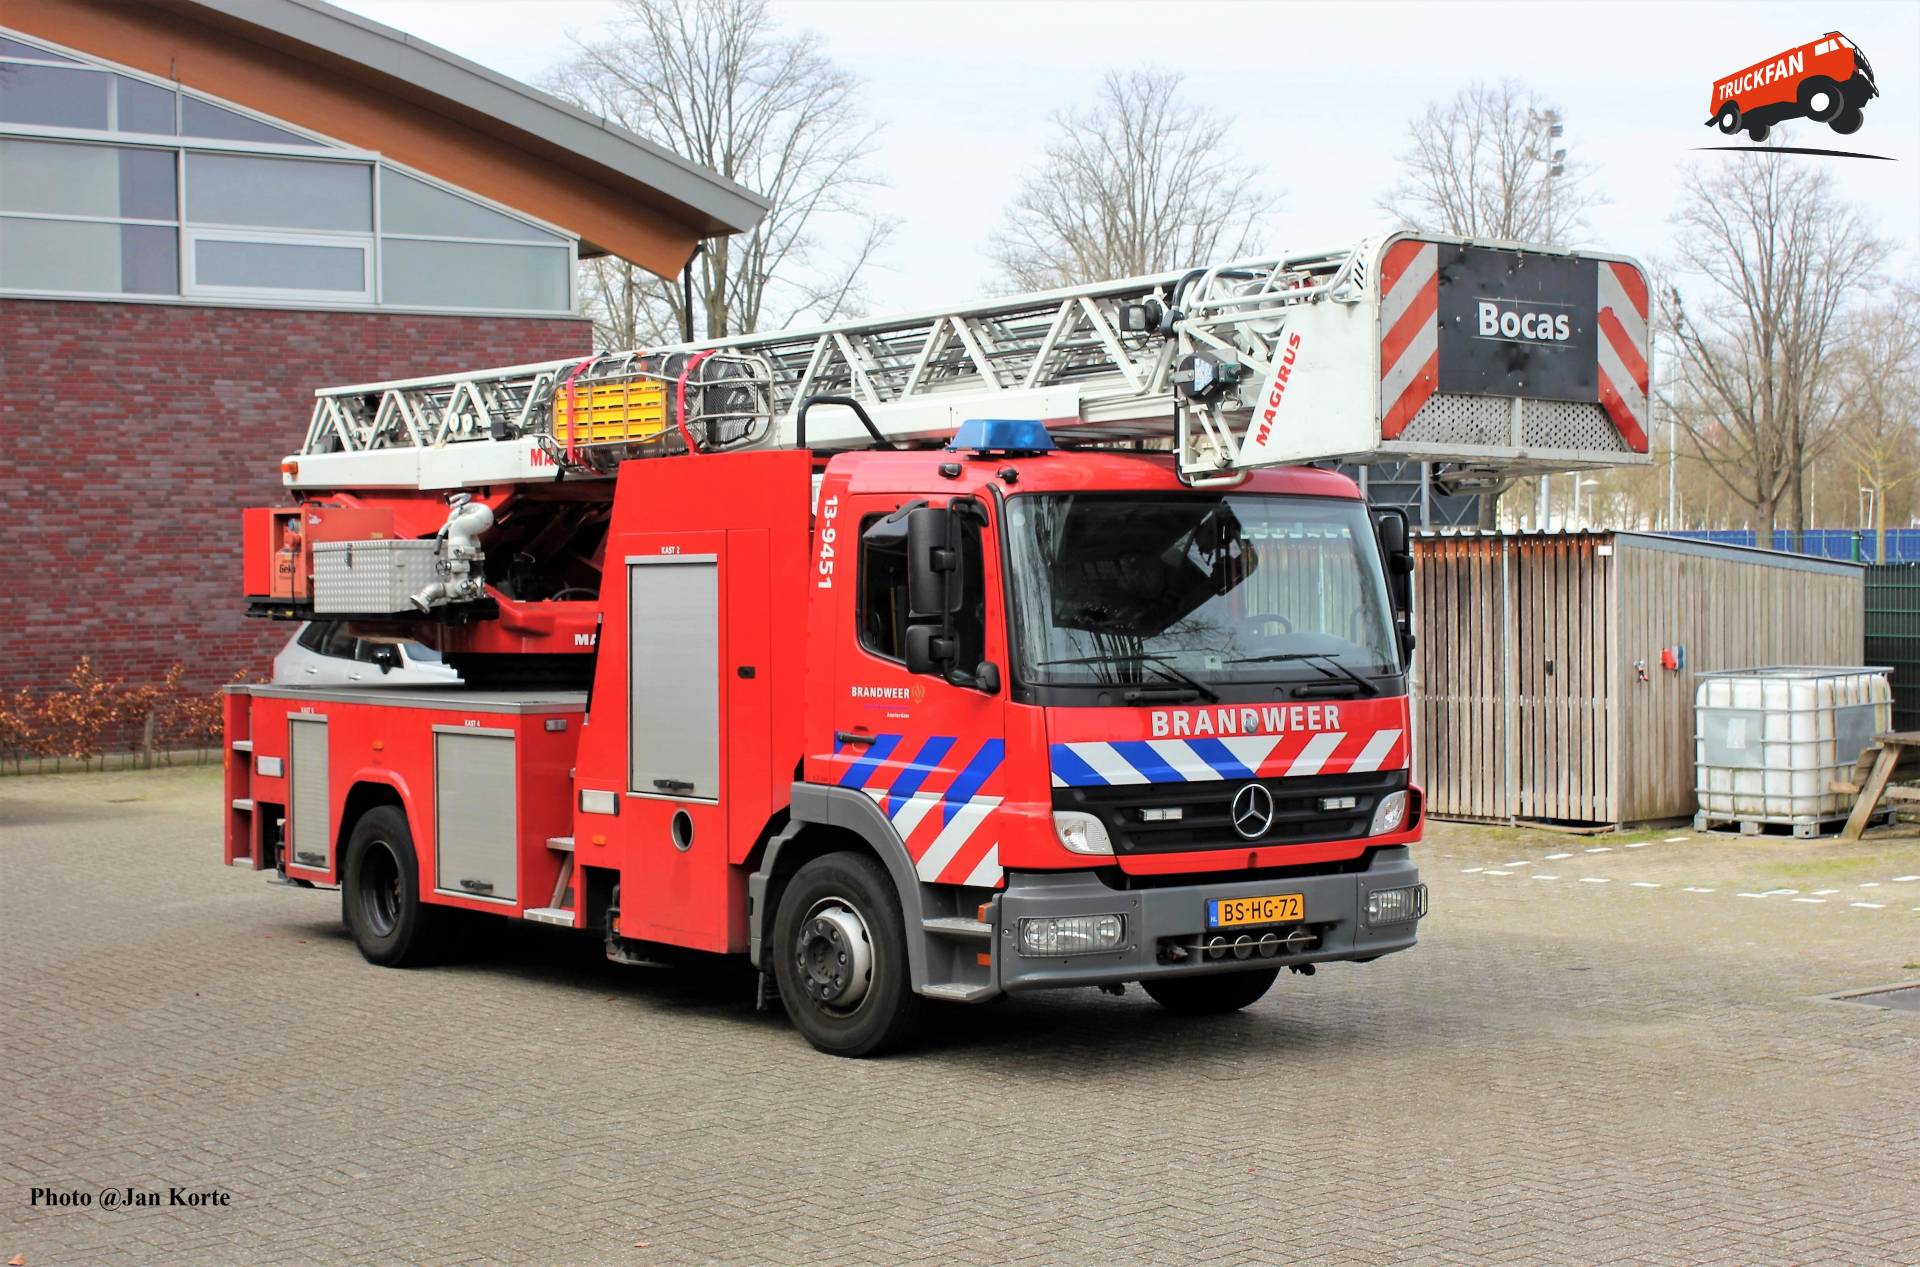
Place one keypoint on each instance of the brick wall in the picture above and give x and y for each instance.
(132, 434)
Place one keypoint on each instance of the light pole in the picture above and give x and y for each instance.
(1574, 520)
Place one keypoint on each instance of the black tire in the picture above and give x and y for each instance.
(381, 892)
(1847, 122)
(1213, 994)
(1757, 132)
(1820, 97)
(1728, 120)
(838, 910)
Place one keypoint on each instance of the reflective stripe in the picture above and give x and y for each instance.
(968, 782)
(1315, 754)
(924, 763)
(1375, 752)
(960, 826)
(1187, 762)
(857, 774)
(908, 813)
(1141, 756)
(1108, 765)
(987, 872)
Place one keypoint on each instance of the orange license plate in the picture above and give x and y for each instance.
(1272, 908)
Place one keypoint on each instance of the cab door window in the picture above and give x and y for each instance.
(881, 600)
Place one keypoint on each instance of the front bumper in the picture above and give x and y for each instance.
(1163, 921)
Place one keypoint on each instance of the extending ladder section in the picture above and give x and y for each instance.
(1332, 355)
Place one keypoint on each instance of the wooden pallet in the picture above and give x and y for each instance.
(1805, 829)
(1893, 756)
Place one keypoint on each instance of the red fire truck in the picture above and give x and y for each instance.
(898, 656)
(1827, 80)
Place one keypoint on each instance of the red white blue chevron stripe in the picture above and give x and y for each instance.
(1115, 762)
(941, 799)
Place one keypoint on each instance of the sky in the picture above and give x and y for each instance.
(1320, 95)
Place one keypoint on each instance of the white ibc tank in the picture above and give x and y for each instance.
(1769, 741)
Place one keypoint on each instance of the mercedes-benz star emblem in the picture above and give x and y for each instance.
(1252, 811)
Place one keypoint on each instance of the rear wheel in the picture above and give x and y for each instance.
(1212, 994)
(1847, 122)
(840, 956)
(381, 892)
(1758, 131)
(1728, 120)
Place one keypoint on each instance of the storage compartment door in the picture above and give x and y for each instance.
(673, 675)
(309, 820)
(476, 817)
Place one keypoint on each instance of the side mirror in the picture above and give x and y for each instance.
(933, 564)
(929, 650)
(1396, 548)
(387, 656)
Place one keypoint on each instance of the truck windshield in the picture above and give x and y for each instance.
(1151, 590)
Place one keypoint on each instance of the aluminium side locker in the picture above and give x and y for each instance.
(476, 812)
(309, 809)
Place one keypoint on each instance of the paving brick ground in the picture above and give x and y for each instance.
(1563, 1071)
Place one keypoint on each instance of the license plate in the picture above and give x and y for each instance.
(1271, 908)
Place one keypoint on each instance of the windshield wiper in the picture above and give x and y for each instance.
(1166, 667)
(1316, 657)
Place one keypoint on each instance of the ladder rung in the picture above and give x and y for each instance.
(551, 915)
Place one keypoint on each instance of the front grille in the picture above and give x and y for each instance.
(1206, 821)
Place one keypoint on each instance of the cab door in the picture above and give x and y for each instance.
(929, 753)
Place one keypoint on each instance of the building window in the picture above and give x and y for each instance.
(203, 118)
(263, 223)
(414, 208)
(279, 193)
(96, 218)
(227, 264)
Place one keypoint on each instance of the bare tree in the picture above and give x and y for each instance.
(1879, 372)
(1489, 164)
(716, 82)
(1772, 258)
(1138, 183)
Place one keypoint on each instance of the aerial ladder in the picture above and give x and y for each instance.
(1493, 359)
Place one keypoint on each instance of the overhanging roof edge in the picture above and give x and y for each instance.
(349, 36)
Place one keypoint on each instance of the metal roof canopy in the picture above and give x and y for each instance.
(720, 205)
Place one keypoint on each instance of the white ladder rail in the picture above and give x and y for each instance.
(1062, 338)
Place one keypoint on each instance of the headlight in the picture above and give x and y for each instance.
(1389, 814)
(1072, 934)
(1396, 906)
(1081, 833)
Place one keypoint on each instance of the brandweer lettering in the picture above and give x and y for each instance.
(1267, 720)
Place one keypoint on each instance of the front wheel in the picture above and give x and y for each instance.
(1847, 122)
(1820, 98)
(380, 890)
(1213, 994)
(840, 956)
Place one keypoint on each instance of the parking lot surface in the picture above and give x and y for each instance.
(1611, 1050)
